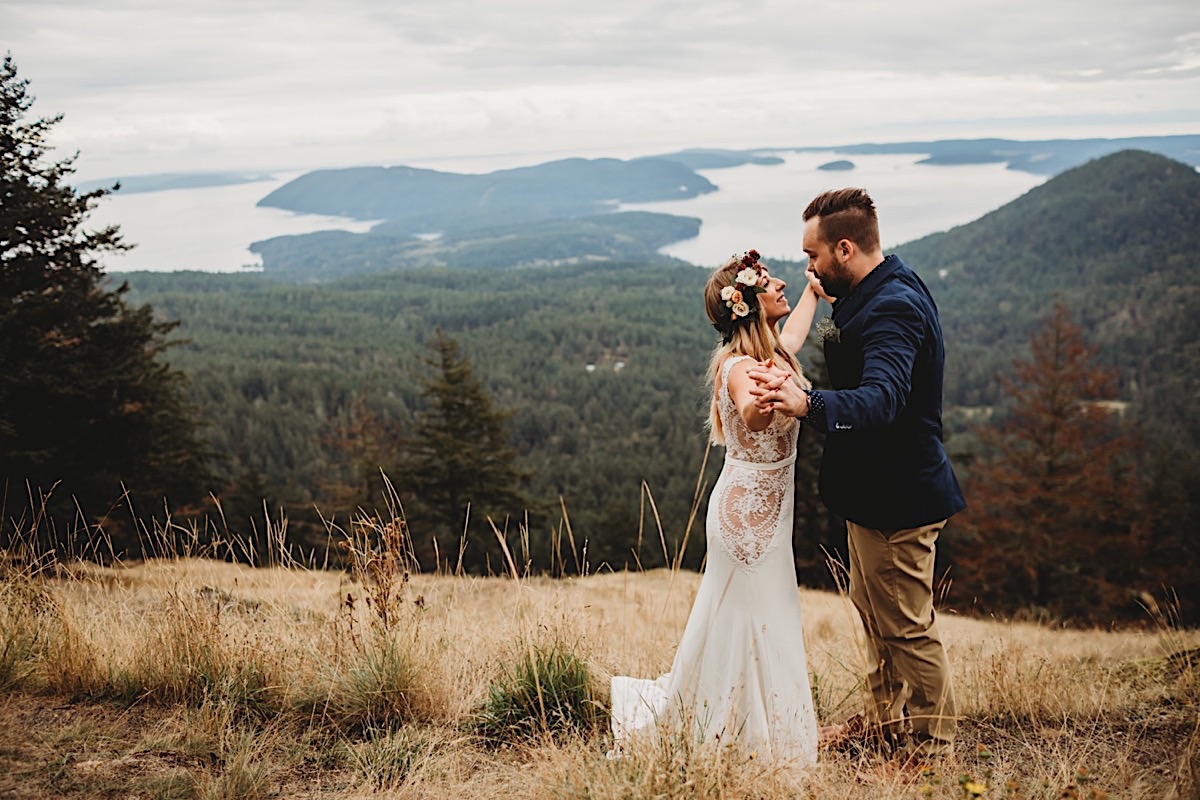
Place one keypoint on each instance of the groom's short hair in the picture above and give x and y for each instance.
(845, 214)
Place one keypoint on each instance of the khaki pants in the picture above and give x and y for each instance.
(891, 585)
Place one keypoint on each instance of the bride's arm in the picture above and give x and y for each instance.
(795, 330)
(740, 383)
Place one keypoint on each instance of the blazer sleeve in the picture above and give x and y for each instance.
(892, 336)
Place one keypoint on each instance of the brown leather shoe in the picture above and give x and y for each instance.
(854, 733)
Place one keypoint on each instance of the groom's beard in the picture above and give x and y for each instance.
(837, 281)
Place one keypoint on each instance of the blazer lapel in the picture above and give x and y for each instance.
(845, 309)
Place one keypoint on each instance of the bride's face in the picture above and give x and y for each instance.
(773, 302)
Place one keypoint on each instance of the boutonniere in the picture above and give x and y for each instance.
(828, 331)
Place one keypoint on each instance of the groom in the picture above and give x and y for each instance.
(884, 469)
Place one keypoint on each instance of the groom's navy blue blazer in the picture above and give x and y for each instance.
(884, 465)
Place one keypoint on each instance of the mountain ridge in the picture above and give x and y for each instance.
(1117, 240)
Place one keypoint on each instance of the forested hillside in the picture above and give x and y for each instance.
(1117, 241)
(280, 367)
(329, 255)
(602, 363)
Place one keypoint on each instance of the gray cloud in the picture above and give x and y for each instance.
(178, 84)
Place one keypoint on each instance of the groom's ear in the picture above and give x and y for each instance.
(845, 249)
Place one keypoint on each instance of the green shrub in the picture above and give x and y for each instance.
(544, 691)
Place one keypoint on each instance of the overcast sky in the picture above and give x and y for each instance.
(178, 85)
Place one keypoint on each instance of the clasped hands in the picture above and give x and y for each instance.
(775, 389)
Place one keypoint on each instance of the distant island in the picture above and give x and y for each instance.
(415, 201)
(619, 237)
(720, 159)
(560, 212)
(837, 166)
(1046, 157)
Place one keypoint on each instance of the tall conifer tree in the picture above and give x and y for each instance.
(458, 455)
(87, 409)
(1054, 512)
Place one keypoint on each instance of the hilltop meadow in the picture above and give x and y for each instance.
(183, 677)
(197, 601)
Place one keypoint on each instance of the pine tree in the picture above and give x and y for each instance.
(86, 406)
(1054, 521)
(365, 444)
(457, 456)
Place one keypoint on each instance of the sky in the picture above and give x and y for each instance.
(151, 86)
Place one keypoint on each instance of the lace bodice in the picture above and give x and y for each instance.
(775, 443)
(754, 495)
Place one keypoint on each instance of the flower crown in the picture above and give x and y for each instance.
(741, 296)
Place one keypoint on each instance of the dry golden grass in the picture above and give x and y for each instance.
(192, 678)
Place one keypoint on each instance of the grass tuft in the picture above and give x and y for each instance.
(246, 772)
(176, 784)
(387, 758)
(546, 691)
(192, 658)
(23, 633)
(383, 686)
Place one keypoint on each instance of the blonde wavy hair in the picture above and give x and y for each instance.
(752, 336)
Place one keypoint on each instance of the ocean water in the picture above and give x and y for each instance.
(758, 207)
(761, 207)
(208, 229)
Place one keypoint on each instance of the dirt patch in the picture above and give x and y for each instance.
(52, 747)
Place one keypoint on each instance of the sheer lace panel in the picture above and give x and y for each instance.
(749, 507)
(756, 484)
(775, 443)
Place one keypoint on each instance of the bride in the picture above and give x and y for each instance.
(740, 674)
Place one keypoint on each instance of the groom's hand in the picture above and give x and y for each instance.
(776, 390)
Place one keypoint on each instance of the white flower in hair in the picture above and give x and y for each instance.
(741, 309)
(727, 292)
(747, 277)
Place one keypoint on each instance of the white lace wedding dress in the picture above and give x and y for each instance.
(740, 672)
